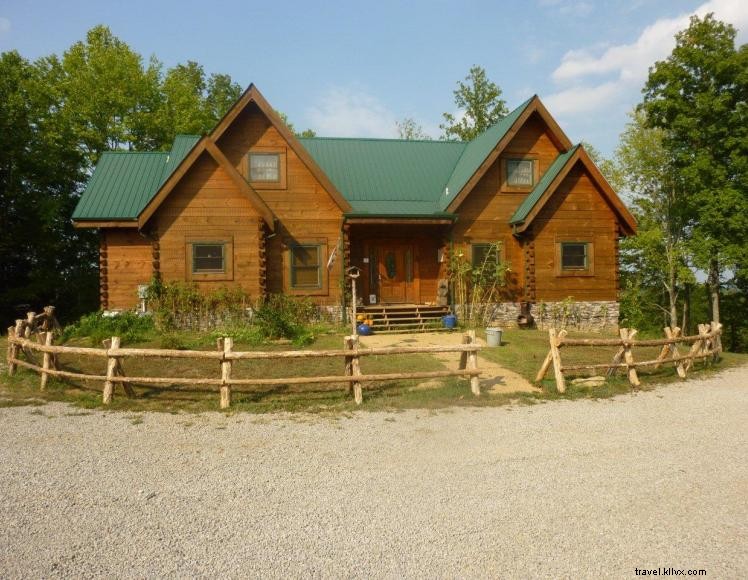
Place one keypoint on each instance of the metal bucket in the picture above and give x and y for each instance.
(493, 336)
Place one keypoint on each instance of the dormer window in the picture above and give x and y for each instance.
(520, 173)
(264, 167)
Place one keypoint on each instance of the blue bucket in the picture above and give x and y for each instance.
(449, 321)
(364, 329)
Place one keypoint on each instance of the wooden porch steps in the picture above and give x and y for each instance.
(392, 318)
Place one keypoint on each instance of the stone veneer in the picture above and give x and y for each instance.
(592, 316)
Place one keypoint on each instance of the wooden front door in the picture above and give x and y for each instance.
(395, 269)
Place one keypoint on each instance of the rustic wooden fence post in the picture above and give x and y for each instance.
(628, 356)
(46, 361)
(472, 363)
(30, 324)
(717, 339)
(119, 371)
(111, 372)
(672, 348)
(228, 344)
(353, 369)
(618, 357)
(555, 341)
(17, 334)
(12, 351)
(698, 348)
(464, 354)
(549, 358)
(716, 328)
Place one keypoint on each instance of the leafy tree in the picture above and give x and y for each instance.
(104, 88)
(608, 167)
(57, 115)
(42, 258)
(698, 97)
(659, 252)
(191, 103)
(304, 134)
(410, 130)
(222, 94)
(480, 101)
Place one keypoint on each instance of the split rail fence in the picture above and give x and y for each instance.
(20, 341)
(705, 345)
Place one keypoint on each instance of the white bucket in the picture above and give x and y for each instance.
(493, 336)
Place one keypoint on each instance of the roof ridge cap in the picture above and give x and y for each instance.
(439, 141)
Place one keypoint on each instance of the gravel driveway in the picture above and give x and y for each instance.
(562, 489)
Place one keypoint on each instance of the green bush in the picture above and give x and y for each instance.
(129, 326)
(280, 316)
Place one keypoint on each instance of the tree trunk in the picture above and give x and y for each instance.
(713, 284)
(686, 309)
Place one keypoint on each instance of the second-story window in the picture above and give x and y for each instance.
(520, 172)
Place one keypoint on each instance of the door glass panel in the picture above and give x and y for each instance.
(390, 264)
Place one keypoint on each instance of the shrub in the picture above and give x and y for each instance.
(182, 305)
(129, 326)
(281, 316)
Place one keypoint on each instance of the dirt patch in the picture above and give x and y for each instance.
(494, 380)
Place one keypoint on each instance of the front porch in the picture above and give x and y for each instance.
(401, 263)
(397, 318)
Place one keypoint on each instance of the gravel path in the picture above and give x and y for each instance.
(562, 489)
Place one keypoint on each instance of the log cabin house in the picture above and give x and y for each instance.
(250, 204)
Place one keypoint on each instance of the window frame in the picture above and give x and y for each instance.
(475, 245)
(588, 270)
(322, 288)
(505, 186)
(279, 183)
(226, 274)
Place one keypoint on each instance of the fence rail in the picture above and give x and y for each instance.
(705, 345)
(20, 341)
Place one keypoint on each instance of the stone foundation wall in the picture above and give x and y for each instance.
(595, 316)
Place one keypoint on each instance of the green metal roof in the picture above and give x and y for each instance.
(476, 152)
(124, 182)
(383, 177)
(529, 202)
(387, 176)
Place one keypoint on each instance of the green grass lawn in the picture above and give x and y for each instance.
(521, 351)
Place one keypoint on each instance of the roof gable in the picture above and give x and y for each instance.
(483, 151)
(253, 95)
(554, 176)
(206, 146)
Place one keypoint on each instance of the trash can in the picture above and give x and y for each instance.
(449, 321)
(493, 336)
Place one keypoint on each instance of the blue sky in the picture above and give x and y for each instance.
(354, 68)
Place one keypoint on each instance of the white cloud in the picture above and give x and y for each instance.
(351, 112)
(581, 99)
(4, 25)
(624, 67)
